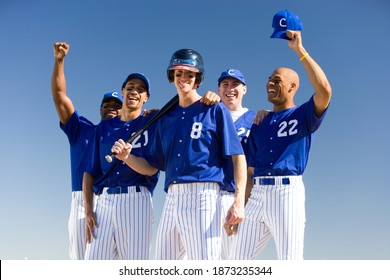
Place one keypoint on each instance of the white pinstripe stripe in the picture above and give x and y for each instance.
(227, 199)
(125, 226)
(101, 247)
(252, 234)
(169, 245)
(76, 227)
(190, 219)
(276, 210)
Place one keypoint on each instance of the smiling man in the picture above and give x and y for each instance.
(232, 89)
(78, 130)
(190, 144)
(121, 226)
(278, 152)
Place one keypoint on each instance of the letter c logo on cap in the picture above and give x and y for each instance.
(115, 94)
(231, 72)
(282, 22)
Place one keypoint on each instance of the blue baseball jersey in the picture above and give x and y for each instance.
(78, 130)
(280, 145)
(191, 142)
(243, 125)
(117, 173)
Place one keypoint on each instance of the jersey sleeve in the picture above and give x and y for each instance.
(251, 147)
(90, 160)
(246, 124)
(155, 155)
(313, 122)
(228, 134)
(75, 127)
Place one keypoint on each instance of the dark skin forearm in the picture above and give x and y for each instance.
(90, 217)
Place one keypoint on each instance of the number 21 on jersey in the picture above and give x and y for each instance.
(137, 143)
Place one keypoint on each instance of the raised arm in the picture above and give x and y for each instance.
(317, 77)
(62, 102)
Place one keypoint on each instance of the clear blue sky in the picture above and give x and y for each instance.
(347, 185)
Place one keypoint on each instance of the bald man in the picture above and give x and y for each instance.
(277, 157)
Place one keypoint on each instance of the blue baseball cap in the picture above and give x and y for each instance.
(232, 73)
(111, 95)
(138, 76)
(285, 20)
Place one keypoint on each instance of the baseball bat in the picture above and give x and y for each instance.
(165, 109)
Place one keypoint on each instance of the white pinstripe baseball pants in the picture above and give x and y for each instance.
(273, 210)
(227, 200)
(76, 227)
(190, 223)
(125, 226)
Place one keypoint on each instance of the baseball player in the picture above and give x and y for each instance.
(190, 143)
(121, 227)
(278, 154)
(78, 129)
(232, 88)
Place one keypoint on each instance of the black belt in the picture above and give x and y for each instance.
(119, 190)
(270, 181)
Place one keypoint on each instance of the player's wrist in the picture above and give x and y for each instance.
(126, 158)
(59, 59)
(301, 52)
(238, 204)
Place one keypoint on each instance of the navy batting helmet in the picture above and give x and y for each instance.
(186, 59)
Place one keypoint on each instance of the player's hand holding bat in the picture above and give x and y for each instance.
(121, 149)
